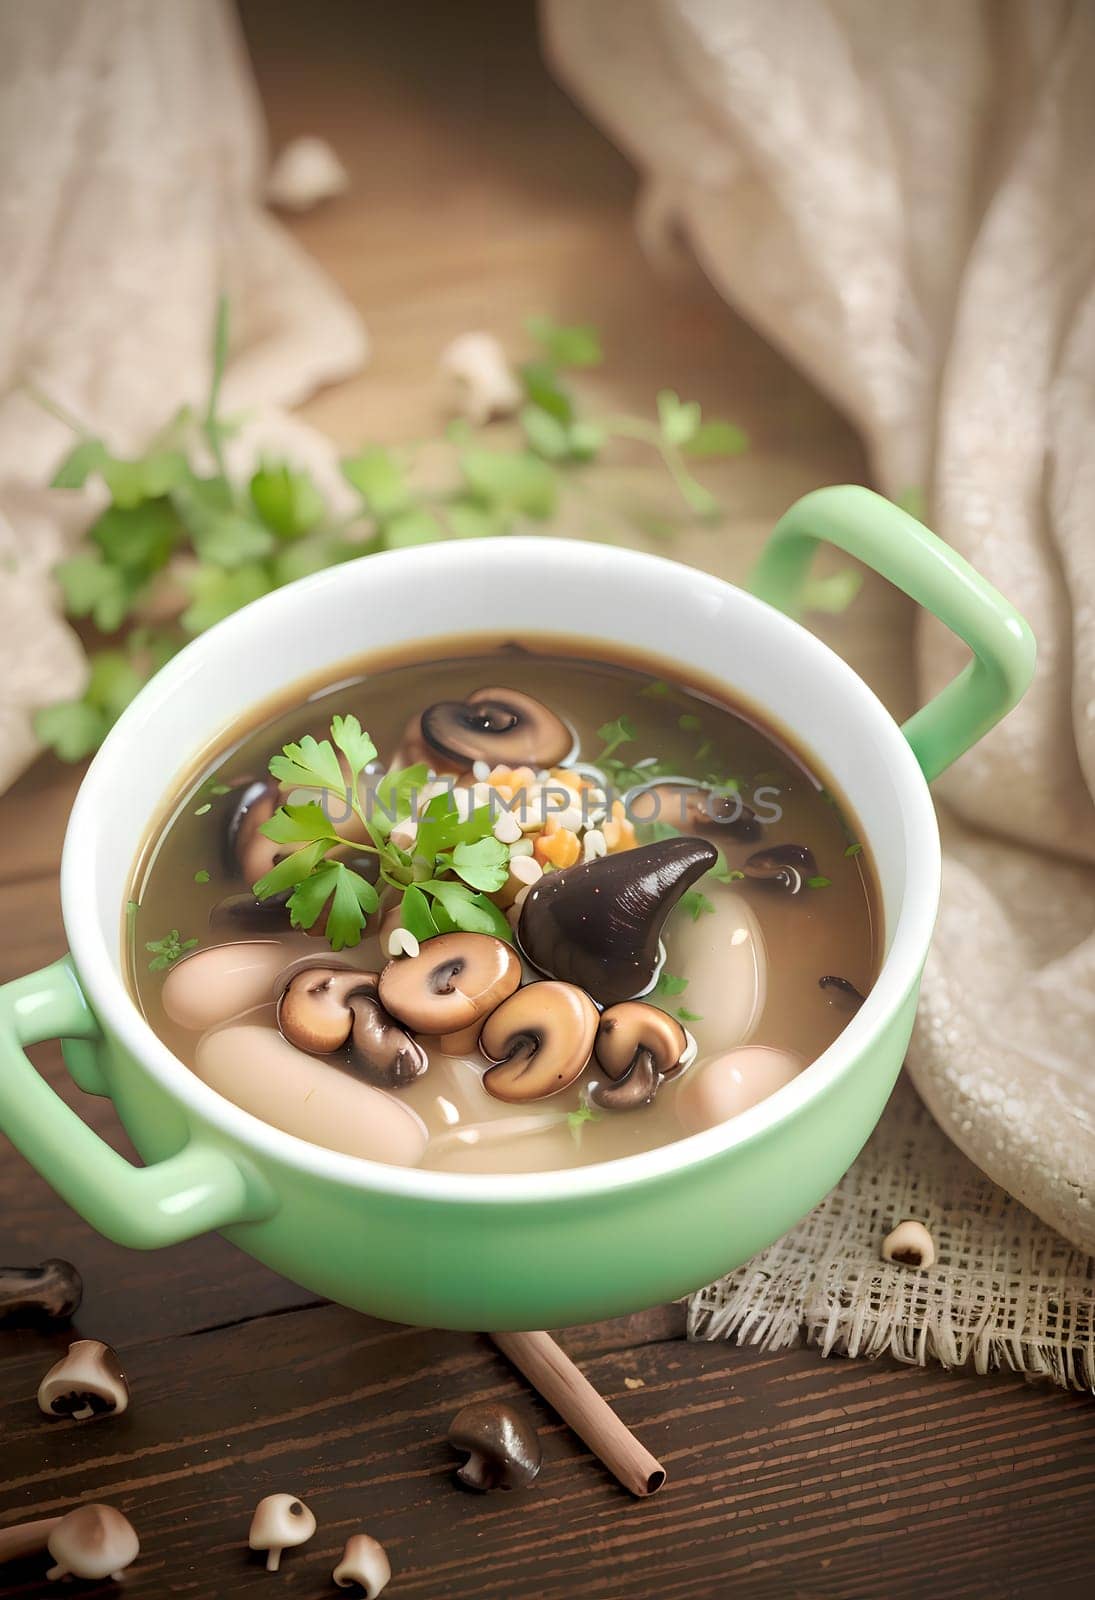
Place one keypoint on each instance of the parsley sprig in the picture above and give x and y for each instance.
(442, 880)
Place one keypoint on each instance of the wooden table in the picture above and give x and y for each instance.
(481, 195)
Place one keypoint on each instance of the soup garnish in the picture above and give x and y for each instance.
(488, 930)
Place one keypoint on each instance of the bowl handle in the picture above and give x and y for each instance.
(194, 1191)
(888, 539)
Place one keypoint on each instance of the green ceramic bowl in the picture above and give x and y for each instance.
(533, 1250)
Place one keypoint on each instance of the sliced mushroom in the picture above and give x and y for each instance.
(455, 980)
(258, 1070)
(47, 1293)
(539, 1040)
(222, 981)
(364, 1562)
(728, 1084)
(599, 924)
(247, 850)
(87, 1382)
(496, 725)
(501, 1443)
(690, 807)
(280, 1522)
(93, 1542)
(323, 1008)
(636, 1046)
(910, 1245)
(242, 913)
(841, 992)
(787, 866)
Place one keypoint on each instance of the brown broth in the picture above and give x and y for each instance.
(832, 929)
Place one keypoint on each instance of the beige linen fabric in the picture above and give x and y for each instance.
(900, 197)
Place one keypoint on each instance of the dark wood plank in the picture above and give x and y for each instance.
(787, 1476)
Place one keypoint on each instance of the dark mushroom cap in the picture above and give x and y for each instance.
(841, 992)
(502, 1445)
(499, 726)
(598, 924)
(455, 980)
(247, 851)
(787, 866)
(539, 1040)
(690, 806)
(47, 1293)
(87, 1382)
(324, 1007)
(636, 1046)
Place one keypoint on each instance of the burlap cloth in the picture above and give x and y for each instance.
(898, 195)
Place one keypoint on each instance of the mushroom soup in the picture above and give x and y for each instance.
(495, 908)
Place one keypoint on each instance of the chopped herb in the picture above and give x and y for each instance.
(704, 750)
(853, 849)
(656, 689)
(689, 723)
(614, 734)
(202, 810)
(201, 876)
(688, 1016)
(166, 951)
(576, 1121)
(724, 873)
(220, 788)
(668, 985)
(696, 904)
(818, 882)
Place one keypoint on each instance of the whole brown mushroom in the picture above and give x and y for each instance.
(637, 1045)
(93, 1542)
(498, 725)
(501, 1444)
(539, 1041)
(88, 1381)
(280, 1522)
(454, 981)
(47, 1293)
(326, 1007)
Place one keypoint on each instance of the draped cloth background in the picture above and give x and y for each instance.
(901, 198)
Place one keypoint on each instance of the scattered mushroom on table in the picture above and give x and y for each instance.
(501, 1445)
(910, 1245)
(364, 1562)
(50, 1292)
(88, 1381)
(280, 1522)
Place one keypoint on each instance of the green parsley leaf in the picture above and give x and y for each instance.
(299, 824)
(470, 912)
(379, 480)
(614, 734)
(853, 849)
(668, 985)
(548, 436)
(355, 744)
(92, 588)
(517, 481)
(166, 951)
(717, 439)
(696, 904)
(138, 540)
(216, 594)
(688, 1016)
(288, 501)
(484, 864)
(576, 346)
(679, 420)
(131, 483)
(76, 468)
(689, 723)
(311, 764)
(818, 882)
(415, 914)
(656, 689)
(393, 796)
(201, 876)
(352, 899)
(72, 728)
(415, 526)
(291, 871)
(546, 391)
(467, 520)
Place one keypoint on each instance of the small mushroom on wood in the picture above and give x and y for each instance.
(280, 1522)
(324, 1008)
(637, 1045)
(539, 1041)
(456, 980)
(47, 1293)
(501, 1444)
(364, 1562)
(786, 866)
(502, 726)
(92, 1542)
(910, 1245)
(87, 1382)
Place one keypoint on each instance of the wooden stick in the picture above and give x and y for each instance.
(553, 1374)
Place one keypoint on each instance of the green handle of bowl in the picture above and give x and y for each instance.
(194, 1191)
(888, 539)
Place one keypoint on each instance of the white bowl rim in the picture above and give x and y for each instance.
(119, 1017)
